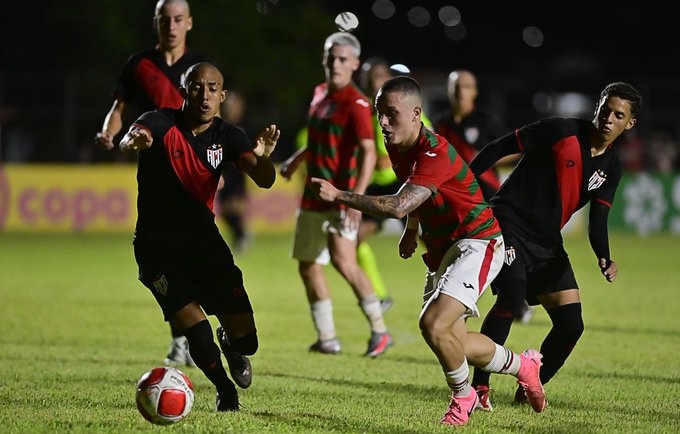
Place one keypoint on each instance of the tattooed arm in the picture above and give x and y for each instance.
(398, 205)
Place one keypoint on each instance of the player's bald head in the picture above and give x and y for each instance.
(163, 3)
(200, 69)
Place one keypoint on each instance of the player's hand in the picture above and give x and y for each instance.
(408, 243)
(609, 269)
(105, 139)
(324, 190)
(287, 169)
(352, 219)
(266, 141)
(136, 139)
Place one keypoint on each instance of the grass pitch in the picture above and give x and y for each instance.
(78, 330)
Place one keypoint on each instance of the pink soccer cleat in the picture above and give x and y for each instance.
(529, 380)
(460, 409)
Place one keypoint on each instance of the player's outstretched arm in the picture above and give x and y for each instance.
(289, 166)
(398, 205)
(113, 122)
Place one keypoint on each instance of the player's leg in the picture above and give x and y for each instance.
(510, 288)
(342, 249)
(564, 309)
(561, 299)
(196, 327)
(367, 261)
(178, 350)
(311, 251)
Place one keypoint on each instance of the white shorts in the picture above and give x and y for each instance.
(310, 242)
(467, 269)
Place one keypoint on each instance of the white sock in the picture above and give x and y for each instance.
(322, 314)
(504, 361)
(459, 380)
(373, 312)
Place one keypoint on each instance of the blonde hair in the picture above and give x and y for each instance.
(343, 38)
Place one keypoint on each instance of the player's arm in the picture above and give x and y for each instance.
(289, 166)
(113, 123)
(493, 152)
(257, 164)
(408, 243)
(407, 199)
(366, 165)
(136, 139)
(599, 238)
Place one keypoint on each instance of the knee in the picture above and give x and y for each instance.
(509, 303)
(246, 345)
(432, 328)
(568, 320)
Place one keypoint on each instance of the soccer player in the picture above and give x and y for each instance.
(566, 164)
(340, 147)
(463, 240)
(374, 72)
(468, 128)
(182, 257)
(149, 80)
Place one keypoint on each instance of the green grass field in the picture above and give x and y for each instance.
(78, 330)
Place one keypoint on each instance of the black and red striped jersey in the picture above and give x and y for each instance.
(556, 176)
(178, 175)
(148, 83)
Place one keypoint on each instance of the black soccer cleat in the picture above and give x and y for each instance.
(239, 365)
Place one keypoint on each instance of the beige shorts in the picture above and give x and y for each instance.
(310, 242)
(466, 271)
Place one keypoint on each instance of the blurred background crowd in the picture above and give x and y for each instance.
(60, 61)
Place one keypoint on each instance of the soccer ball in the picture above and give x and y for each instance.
(164, 395)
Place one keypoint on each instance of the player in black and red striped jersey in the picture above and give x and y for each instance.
(150, 80)
(566, 164)
(181, 254)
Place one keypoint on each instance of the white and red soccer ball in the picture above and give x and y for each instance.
(164, 395)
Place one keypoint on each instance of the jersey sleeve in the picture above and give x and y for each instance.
(361, 117)
(606, 193)
(434, 167)
(123, 90)
(236, 142)
(544, 133)
(157, 122)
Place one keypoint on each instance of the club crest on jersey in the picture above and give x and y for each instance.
(510, 255)
(215, 155)
(471, 134)
(161, 285)
(596, 179)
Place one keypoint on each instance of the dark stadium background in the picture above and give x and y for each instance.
(60, 59)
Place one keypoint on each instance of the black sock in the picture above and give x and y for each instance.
(174, 331)
(566, 330)
(207, 356)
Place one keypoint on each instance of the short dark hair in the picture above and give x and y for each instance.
(402, 83)
(624, 91)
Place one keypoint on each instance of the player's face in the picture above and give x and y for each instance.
(172, 24)
(204, 94)
(612, 117)
(339, 64)
(399, 118)
(377, 76)
(462, 90)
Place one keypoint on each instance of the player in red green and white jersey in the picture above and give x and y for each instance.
(340, 148)
(463, 241)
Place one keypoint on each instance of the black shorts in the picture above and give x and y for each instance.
(381, 190)
(202, 272)
(533, 267)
